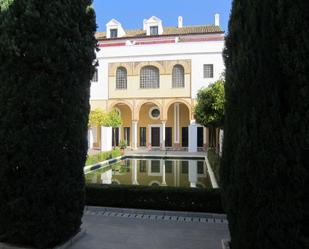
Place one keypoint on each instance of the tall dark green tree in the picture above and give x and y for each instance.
(264, 171)
(46, 54)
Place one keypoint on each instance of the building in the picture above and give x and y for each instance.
(152, 76)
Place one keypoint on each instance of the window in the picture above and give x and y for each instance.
(142, 137)
(114, 33)
(143, 166)
(155, 166)
(149, 77)
(184, 167)
(178, 77)
(208, 71)
(154, 113)
(126, 131)
(154, 30)
(200, 167)
(95, 76)
(121, 78)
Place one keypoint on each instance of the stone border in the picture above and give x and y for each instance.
(211, 174)
(99, 165)
(156, 215)
(67, 244)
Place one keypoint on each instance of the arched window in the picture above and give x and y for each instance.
(150, 77)
(121, 78)
(178, 76)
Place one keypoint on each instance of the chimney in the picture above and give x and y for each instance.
(217, 19)
(180, 22)
(144, 24)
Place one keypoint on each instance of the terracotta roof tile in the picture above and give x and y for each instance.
(169, 31)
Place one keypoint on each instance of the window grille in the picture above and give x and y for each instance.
(121, 78)
(208, 71)
(178, 77)
(149, 77)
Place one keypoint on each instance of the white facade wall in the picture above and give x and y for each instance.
(200, 53)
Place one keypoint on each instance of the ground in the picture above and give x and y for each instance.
(139, 229)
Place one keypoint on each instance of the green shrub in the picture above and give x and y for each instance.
(46, 54)
(214, 160)
(102, 156)
(159, 198)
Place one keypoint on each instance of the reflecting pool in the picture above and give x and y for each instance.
(153, 172)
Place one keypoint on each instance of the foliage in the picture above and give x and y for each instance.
(264, 168)
(102, 156)
(159, 198)
(113, 119)
(123, 144)
(209, 109)
(46, 53)
(97, 117)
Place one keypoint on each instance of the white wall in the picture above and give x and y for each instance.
(200, 53)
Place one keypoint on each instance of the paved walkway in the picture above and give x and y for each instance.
(156, 152)
(109, 228)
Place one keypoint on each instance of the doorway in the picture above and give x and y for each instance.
(155, 136)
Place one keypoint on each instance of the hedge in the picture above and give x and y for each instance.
(157, 198)
(102, 156)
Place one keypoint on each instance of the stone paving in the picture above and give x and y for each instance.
(156, 152)
(115, 228)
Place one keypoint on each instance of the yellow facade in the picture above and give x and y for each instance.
(135, 103)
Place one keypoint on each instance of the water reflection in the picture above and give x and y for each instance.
(154, 172)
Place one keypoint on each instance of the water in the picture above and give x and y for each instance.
(153, 172)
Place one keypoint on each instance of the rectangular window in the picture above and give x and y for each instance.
(115, 136)
(184, 136)
(154, 30)
(168, 166)
(126, 131)
(142, 136)
(184, 167)
(114, 33)
(168, 136)
(143, 166)
(155, 166)
(95, 76)
(200, 167)
(208, 70)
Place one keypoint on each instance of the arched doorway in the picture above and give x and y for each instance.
(124, 132)
(150, 125)
(178, 121)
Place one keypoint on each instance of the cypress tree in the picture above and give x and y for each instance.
(264, 170)
(46, 54)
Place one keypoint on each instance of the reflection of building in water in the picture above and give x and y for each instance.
(190, 173)
(106, 177)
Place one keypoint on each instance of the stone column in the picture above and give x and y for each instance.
(134, 172)
(192, 137)
(90, 138)
(163, 135)
(106, 138)
(193, 173)
(134, 134)
(162, 162)
(176, 126)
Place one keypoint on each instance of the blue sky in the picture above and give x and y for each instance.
(131, 13)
